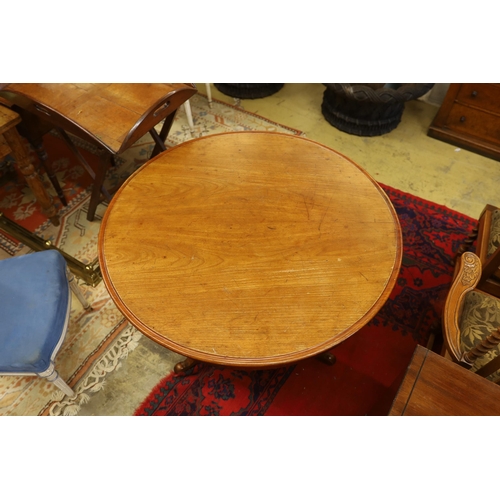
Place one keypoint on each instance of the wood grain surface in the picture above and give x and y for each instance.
(250, 249)
(111, 115)
(435, 386)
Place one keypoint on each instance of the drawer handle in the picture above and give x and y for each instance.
(462, 119)
(42, 110)
(165, 105)
(474, 93)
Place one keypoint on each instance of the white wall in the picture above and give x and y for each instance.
(436, 94)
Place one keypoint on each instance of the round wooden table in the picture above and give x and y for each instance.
(250, 249)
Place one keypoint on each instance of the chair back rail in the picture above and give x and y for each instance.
(466, 278)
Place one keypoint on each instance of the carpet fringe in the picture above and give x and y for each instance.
(95, 380)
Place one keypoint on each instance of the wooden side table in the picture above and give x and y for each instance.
(8, 121)
(111, 116)
(435, 386)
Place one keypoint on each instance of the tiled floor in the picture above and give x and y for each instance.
(405, 158)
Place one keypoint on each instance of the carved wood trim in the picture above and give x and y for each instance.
(467, 276)
(471, 269)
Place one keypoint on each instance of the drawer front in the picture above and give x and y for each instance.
(473, 122)
(482, 95)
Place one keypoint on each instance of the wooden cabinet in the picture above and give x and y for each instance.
(470, 118)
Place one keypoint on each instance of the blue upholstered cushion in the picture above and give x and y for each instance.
(34, 295)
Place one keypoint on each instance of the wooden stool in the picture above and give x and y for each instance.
(12, 144)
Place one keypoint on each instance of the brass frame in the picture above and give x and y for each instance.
(89, 273)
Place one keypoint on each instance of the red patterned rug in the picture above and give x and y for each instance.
(369, 364)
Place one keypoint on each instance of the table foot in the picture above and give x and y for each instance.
(185, 365)
(326, 357)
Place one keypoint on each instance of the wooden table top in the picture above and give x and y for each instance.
(250, 249)
(111, 115)
(435, 386)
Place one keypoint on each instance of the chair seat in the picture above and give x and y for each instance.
(34, 306)
(480, 317)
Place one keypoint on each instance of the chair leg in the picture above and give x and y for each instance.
(77, 290)
(52, 376)
(467, 243)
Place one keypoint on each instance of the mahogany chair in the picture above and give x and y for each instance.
(471, 321)
(487, 238)
(35, 303)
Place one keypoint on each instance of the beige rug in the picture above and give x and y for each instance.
(99, 340)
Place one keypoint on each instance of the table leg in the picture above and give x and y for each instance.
(33, 129)
(32, 178)
(165, 129)
(326, 357)
(98, 177)
(185, 365)
(98, 186)
(42, 154)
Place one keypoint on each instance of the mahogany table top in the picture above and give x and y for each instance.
(110, 115)
(250, 248)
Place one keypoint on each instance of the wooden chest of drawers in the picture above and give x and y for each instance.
(470, 118)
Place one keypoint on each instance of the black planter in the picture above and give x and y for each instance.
(248, 90)
(365, 110)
